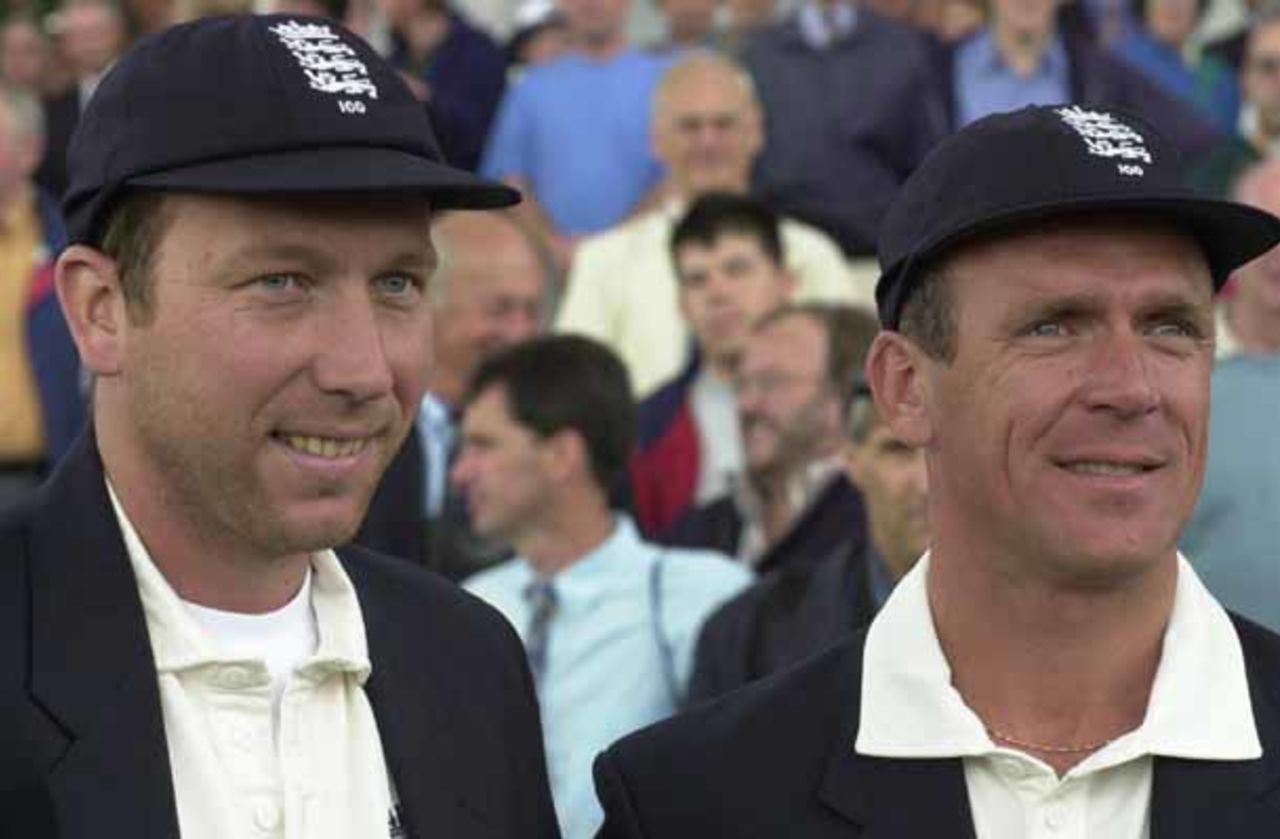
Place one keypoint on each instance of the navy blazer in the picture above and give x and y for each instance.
(82, 744)
(777, 759)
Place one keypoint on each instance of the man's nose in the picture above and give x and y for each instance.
(351, 357)
(1120, 375)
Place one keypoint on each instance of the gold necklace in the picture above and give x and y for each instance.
(997, 734)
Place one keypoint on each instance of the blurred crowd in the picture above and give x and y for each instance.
(692, 456)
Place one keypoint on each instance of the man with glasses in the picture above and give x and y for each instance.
(792, 504)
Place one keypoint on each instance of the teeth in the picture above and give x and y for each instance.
(324, 446)
(1104, 468)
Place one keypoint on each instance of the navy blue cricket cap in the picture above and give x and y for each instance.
(1007, 170)
(248, 104)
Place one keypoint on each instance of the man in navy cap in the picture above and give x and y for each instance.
(1051, 666)
(183, 651)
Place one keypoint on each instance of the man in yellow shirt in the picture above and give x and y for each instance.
(40, 405)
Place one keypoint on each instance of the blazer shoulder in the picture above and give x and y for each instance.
(799, 707)
(421, 600)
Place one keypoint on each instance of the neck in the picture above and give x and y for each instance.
(722, 367)
(601, 47)
(201, 566)
(1044, 663)
(568, 534)
(446, 384)
(1022, 49)
(13, 196)
(1256, 328)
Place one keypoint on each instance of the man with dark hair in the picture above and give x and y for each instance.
(804, 609)
(729, 266)
(609, 621)
(791, 506)
(1046, 667)
(488, 292)
(182, 651)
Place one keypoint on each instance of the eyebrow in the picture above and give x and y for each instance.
(1081, 305)
(420, 259)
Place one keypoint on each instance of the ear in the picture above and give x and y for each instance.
(565, 455)
(897, 371)
(788, 283)
(88, 287)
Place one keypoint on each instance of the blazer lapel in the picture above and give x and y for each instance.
(91, 661)
(1191, 799)
(899, 799)
(892, 798)
(417, 712)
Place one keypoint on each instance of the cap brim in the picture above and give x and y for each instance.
(359, 169)
(1230, 234)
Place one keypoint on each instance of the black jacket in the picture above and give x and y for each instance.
(777, 759)
(782, 620)
(82, 743)
(835, 517)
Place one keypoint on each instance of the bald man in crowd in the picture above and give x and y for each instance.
(488, 294)
(622, 289)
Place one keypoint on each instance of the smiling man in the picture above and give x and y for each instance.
(1052, 666)
(184, 651)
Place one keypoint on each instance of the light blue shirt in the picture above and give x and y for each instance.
(1233, 539)
(437, 431)
(604, 675)
(985, 84)
(578, 130)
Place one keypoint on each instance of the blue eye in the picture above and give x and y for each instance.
(1046, 329)
(1174, 329)
(279, 282)
(401, 287)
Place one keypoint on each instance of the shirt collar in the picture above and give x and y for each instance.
(179, 643)
(910, 709)
(611, 563)
(434, 413)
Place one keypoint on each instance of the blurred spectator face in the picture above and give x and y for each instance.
(502, 468)
(92, 36)
(689, 21)
(399, 13)
(724, 289)
(19, 153)
(151, 15)
(787, 410)
(1172, 21)
(1024, 17)
(707, 127)
(1256, 285)
(595, 22)
(491, 289)
(24, 55)
(745, 15)
(1260, 76)
(892, 478)
(546, 43)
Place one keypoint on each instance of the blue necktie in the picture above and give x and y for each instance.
(541, 595)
